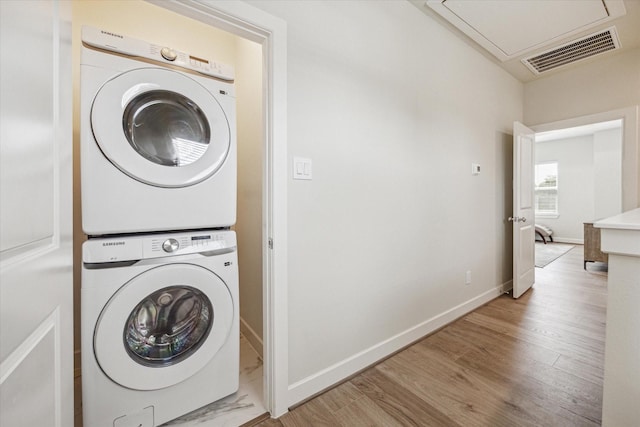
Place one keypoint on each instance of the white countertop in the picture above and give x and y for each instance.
(629, 220)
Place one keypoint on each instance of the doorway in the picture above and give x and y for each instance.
(629, 164)
(626, 195)
(629, 170)
(265, 32)
(578, 177)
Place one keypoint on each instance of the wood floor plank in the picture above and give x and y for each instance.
(582, 351)
(499, 353)
(450, 388)
(498, 365)
(493, 344)
(264, 421)
(539, 384)
(552, 327)
(534, 361)
(562, 320)
(313, 413)
(340, 396)
(399, 402)
(365, 413)
(271, 422)
(595, 374)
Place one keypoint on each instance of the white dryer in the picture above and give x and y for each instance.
(160, 326)
(158, 138)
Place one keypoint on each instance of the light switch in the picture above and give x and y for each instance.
(475, 169)
(302, 168)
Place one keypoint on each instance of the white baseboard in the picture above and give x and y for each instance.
(568, 240)
(332, 375)
(251, 336)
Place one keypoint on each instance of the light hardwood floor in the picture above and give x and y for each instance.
(535, 361)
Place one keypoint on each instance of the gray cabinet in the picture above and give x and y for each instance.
(592, 252)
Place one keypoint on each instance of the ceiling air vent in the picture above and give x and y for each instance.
(573, 51)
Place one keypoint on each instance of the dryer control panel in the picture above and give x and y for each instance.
(129, 46)
(133, 248)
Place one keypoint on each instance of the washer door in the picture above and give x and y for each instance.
(160, 127)
(163, 326)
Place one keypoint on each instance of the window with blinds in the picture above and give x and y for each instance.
(546, 189)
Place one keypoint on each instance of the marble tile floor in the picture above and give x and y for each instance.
(238, 408)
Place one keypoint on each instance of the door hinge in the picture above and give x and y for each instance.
(270, 243)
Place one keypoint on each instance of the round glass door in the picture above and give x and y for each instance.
(162, 128)
(163, 326)
(168, 326)
(166, 128)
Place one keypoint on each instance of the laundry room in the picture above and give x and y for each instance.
(165, 28)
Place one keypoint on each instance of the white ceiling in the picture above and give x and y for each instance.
(506, 31)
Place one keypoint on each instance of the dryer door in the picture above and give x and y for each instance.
(163, 326)
(160, 127)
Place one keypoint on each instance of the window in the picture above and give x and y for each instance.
(546, 189)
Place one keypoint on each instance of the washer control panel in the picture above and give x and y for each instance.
(130, 248)
(184, 244)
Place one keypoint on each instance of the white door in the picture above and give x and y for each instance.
(36, 277)
(523, 209)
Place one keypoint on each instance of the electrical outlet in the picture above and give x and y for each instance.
(468, 278)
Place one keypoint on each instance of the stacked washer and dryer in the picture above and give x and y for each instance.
(160, 325)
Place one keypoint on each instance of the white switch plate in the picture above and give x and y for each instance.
(475, 169)
(302, 168)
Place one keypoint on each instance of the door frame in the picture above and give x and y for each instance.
(244, 20)
(630, 149)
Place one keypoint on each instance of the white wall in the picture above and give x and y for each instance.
(589, 181)
(575, 185)
(610, 83)
(392, 109)
(607, 173)
(249, 224)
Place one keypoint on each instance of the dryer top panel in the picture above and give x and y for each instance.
(133, 248)
(128, 46)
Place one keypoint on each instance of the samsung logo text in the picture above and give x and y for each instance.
(111, 34)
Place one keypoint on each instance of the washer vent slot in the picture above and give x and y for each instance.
(574, 51)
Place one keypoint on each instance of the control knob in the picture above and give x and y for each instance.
(170, 245)
(168, 54)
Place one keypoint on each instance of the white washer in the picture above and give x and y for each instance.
(158, 138)
(160, 326)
